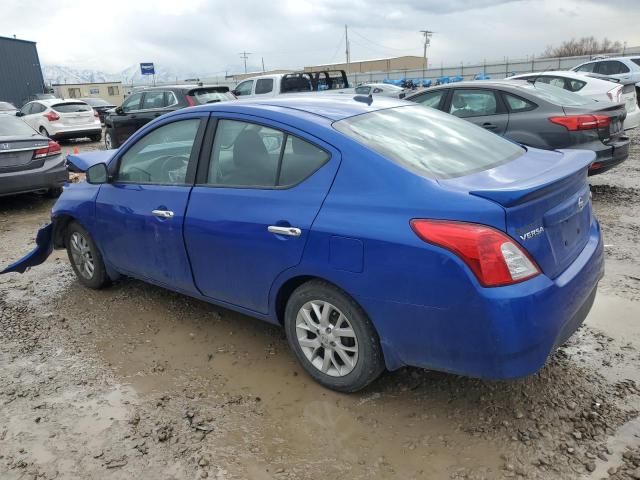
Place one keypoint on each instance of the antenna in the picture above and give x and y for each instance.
(244, 56)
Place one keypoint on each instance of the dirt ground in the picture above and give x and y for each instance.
(135, 382)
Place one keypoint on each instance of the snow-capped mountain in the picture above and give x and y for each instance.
(62, 74)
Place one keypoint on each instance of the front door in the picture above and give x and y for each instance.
(139, 215)
(480, 106)
(251, 210)
(125, 121)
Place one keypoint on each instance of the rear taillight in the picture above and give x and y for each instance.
(95, 114)
(53, 148)
(582, 122)
(52, 116)
(615, 93)
(190, 100)
(492, 256)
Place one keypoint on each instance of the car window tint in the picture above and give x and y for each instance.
(244, 154)
(244, 88)
(132, 103)
(473, 103)
(431, 99)
(170, 99)
(26, 109)
(264, 85)
(363, 90)
(37, 108)
(161, 156)
(587, 67)
(299, 160)
(518, 104)
(70, 107)
(555, 81)
(153, 100)
(429, 142)
(377, 90)
(574, 85)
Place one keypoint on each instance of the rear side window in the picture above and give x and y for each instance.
(153, 100)
(636, 61)
(611, 67)
(574, 85)
(518, 104)
(473, 103)
(431, 99)
(587, 67)
(71, 107)
(250, 155)
(264, 85)
(428, 142)
(363, 90)
(204, 95)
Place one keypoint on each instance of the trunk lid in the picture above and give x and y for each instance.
(18, 154)
(546, 199)
(615, 111)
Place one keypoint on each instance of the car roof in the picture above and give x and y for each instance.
(329, 106)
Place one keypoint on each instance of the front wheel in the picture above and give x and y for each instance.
(109, 141)
(85, 257)
(332, 337)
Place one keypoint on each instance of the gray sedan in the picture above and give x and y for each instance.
(537, 115)
(29, 162)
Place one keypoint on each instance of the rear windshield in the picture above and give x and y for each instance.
(70, 107)
(6, 106)
(429, 142)
(13, 126)
(203, 96)
(636, 61)
(97, 102)
(557, 96)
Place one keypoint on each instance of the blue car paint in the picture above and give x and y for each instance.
(44, 247)
(81, 163)
(426, 305)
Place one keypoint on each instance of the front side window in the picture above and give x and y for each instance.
(428, 142)
(264, 85)
(431, 99)
(132, 103)
(244, 88)
(162, 156)
(153, 100)
(26, 109)
(473, 103)
(37, 108)
(587, 67)
(250, 155)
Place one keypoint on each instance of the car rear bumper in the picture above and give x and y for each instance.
(76, 132)
(52, 174)
(632, 120)
(611, 155)
(496, 333)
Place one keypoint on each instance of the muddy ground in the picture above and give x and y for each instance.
(135, 382)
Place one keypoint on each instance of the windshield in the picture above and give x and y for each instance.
(429, 142)
(71, 107)
(558, 96)
(6, 106)
(13, 127)
(211, 96)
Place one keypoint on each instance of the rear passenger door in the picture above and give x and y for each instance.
(613, 68)
(154, 104)
(480, 106)
(259, 188)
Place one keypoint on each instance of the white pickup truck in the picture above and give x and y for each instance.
(334, 81)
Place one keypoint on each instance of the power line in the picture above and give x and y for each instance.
(378, 44)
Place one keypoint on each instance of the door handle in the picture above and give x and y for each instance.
(288, 231)
(489, 126)
(162, 213)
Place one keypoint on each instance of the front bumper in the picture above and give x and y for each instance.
(496, 333)
(52, 174)
(614, 154)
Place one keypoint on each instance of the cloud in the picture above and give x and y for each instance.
(208, 36)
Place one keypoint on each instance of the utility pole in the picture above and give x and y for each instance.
(244, 56)
(427, 41)
(262, 64)
(346, 45)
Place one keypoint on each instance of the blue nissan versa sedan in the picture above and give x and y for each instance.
(379, 233)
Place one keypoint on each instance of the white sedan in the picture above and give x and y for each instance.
(385, 89)
(600, 89)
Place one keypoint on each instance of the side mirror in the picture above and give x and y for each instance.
(19, 114)
(97, 174)
(119, 111)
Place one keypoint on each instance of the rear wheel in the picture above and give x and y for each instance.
(332, 337)
(109, 141)
(54, 192)
(85, 257)
(96, 138)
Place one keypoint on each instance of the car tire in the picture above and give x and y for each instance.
(355, 358)
(96, 138)
(54, 192)
(109, 141)
(86, 259)
(43, 131)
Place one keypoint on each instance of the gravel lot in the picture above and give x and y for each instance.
(138, 382)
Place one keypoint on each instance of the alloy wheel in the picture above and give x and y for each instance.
(327, 338)
(107, 141)
(82, 256)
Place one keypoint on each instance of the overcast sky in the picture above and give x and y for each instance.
(207, 36)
